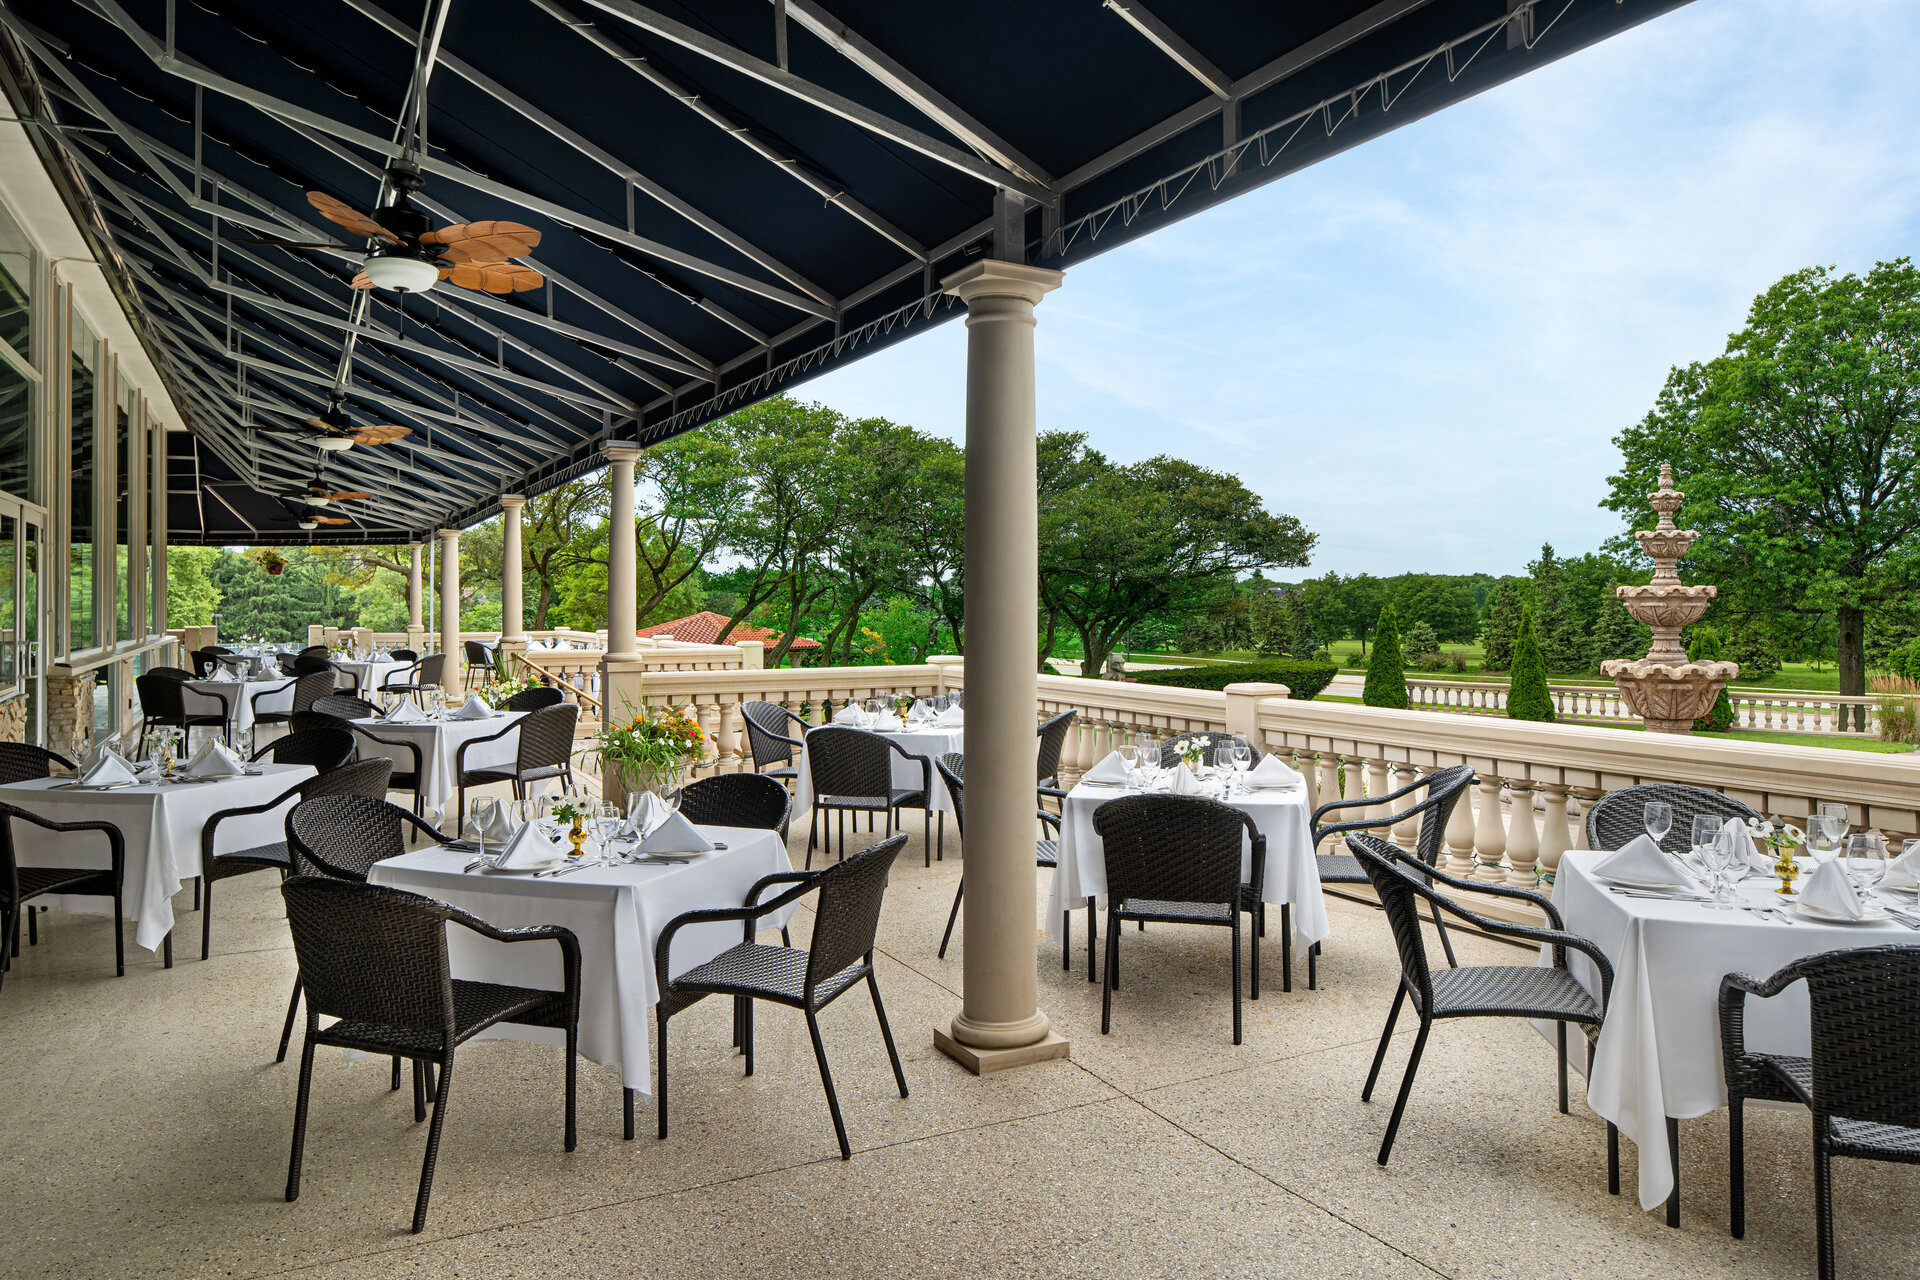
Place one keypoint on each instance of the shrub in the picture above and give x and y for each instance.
(1756, 657)
(1527, 695)
(1706, 648)
(1303, 679)
(1386, 670)
(1899, 699)
(1421, 639)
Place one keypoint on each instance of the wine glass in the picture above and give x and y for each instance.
(1242, 757)
(1866, 862)
(1130, 756)
(1706, 831)
(1833, 823)
(1658, 816)
(607, 821)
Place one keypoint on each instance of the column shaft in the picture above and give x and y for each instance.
(450, 609)
(622, 606)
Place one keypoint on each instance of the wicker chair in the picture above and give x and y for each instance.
(1053, 737)
(403, 655)
(423, 676)
(262, 715)
(767, 741)
(311, 686)
(376, 959)
(24, 762)
(169, 673)
(163, 703)
(1176, 860)
(344, 706)
(541, 695)
(1046, 853)
(408, 758)
(368, 778)
(852, 771)
(1617, 817)
(1444, 788)
(1478, 991)
(543, 750)
(1858, 1079)
(479, 659)
(205, 663)
(308, 664)
(846, 917)
(738, 800)
(306, 721)
(1213, 738)
(324, 749)
(21, 885)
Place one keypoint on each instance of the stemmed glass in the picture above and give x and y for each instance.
(1130, 756)
(1706, 830)
(1658, 816)
(1148, 750)
(1242, 754)
(1720, 854)
(607, 821)
(437, 699)
(479, 809)
(1866, 862)
(1833, 821)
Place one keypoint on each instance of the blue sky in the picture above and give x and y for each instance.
(1423, 347)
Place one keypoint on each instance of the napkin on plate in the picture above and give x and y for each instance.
(919, 712)
(1829, 892)
(1643, 860)
(107, 766)
(661, 829)
(1185, 782)
(851, 714)
(495, 827)
(529, 847)
(951, 718)
(475, 708)
(213, 760)
(1272, 771)
(1904, 871)
(1112, 770)
(404, 713)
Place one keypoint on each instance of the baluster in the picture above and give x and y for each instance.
(1523, 836)
(728, 744)
(1577, 805)
(1376, 787)
(1308, 768)
(1406, 832)
(1489, 832)
(1330, 782)
(1460, 837)
(1553, 835)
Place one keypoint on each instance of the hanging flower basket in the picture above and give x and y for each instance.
(273, 563)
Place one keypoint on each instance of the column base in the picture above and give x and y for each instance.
(986, 1061)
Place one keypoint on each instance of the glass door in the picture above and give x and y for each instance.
(30, 617)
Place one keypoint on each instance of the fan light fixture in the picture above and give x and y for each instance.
(334, 444)
(317, 499)
(401, 272)
(309, 524)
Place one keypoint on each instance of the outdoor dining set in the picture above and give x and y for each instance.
(1706, 956)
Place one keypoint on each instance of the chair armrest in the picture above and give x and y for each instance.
(213, 823)
(116, 842)
(414, 747)
(1494, 890)
(926, 767)
(663, 948)
(1415, 785)
(1559, 939)
(569, 946)
(1734, 990)
(460, 752)
(779, 877)
(1054, 792)
(1049, 819)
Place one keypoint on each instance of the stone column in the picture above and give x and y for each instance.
(620, 669)
(513, 623)
(1000, 1024)
(416, 628)
(450, 609)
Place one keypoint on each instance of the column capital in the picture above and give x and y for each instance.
(989, 278)
(621, 452)
(447, 535)
(512, 501)
(416, 544)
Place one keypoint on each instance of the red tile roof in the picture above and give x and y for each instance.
(704, 628)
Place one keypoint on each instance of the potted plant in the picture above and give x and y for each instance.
(650, 751)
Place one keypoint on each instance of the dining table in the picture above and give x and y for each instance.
(368, 674)
(921, 742)
(617, 912)
(160, 821)
(439, 737)
(1290, 878)
(1658, 1057)
(234, 699)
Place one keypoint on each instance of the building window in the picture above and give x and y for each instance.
(126, 461)
(85, 454)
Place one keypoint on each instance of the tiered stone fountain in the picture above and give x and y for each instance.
(1666, 691)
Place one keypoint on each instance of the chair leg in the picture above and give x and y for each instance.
(1380, 1054)
(886, 1032)
(1093, 936)
(460, 814)
(1673, 1157)
(573, 1078)
(826, 1080)
(395, 1086)
(940, 838)
(955, 915)
(1236, 977)
(419, 1093)
(166, 951)
(196, 895)
(813, 835)
(1737, 1166)
(1822, 1200)
(1254, 943)
(1066, 940)
(120, 937)
(300, 1118)
(286, 1032)
(1406, 1088)
(660, 1085)
(746, 1033)
(433, 1146)
(926, 835)
(1446, 942)
(206, 918)
(1560, 1040)
(1110, 973)
(33, 926)
(626, 1098)
(1286, 946)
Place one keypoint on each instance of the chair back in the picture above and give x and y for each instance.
(371, 954)
(1213, 738)
(768, 727)
(307, 721)
(219, 649)
(1862, 1004)
(1168, 848)
(205, 662)
(311, 686)
(478, 655)
(431, 670)
(541, 695)
(313, 650)
(324, 749)
(952, 767)
(24, 762)
(546, 737)
(1053, 736)
(1618, 816)
(168, 673)
(344, 706)
(403, 655)
(736, 800)
(847, 910)
(344, 835)
(308, 663)
(1445, 789)
(285, 661)
(849, 762)
(1400, 899)
(161, 696)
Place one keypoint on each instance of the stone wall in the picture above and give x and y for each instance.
(69, 709)
(13, 720)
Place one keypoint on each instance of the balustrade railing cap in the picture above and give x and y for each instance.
(1260, 688)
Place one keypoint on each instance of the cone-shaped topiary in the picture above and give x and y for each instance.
(1386, 669)
(1527, 695)
(1706, 648)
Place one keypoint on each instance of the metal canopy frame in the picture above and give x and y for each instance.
(734, 195)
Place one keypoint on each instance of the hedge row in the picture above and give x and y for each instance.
(1303, 679)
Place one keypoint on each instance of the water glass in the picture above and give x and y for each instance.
(479, 810)
(1242, 755)
(1658, 816)
(1130, 756)
(607, 821)
(1866, 863)
(1833, 821)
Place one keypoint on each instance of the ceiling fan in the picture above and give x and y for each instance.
(412, 256)
(317, 495)
(333, 431)
(310, 518)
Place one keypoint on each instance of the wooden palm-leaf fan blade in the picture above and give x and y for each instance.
(462, 231)
(487, 249)
(381, 433)
(493, 277)
(339, 211)
(326, 519)
(347, 497)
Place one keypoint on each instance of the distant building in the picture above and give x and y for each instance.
(705, 627)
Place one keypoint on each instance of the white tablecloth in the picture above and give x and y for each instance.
(200, 700)
(371, 672)
(929, 744)
(1659, 1052)
(161, 825)
(1281, 814)
(617, 913)
(439, 740)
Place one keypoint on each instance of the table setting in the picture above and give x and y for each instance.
(924, 727)
(228, 694)
(1739, 899)
(439, 732)
(369, 669)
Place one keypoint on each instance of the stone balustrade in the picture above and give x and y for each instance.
(1764, 710)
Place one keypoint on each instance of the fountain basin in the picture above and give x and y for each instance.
(1669, 697)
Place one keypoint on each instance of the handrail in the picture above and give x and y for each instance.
(556, 681)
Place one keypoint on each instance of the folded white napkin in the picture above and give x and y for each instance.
(851, 714)
(1112, 770)
(106, 766)
(529, 847)
(214, 761)
(645, 812)
(404, 713)
(495, 826)
(1643, 860)
(674, 835)
(951, 718)
(919, 711)
(1904, 871)
(1185, 781)
(1273, 772)
(1828, 890)
(475, 708)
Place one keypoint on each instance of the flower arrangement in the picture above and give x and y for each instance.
(1191, 750)
(662, 740)
(1781, 839)
(272, 563)
(498, 691)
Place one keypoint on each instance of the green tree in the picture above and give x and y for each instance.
(1797, 450)
(1616, 634)
(1386, 670)
(1269, 628)
(1421, 641)
(1564, 646)
(1444, 604)
(1528, 697)
(192, 597)
(1500, 626)
(1705, 647)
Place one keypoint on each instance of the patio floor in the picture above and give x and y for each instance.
(148, 1127)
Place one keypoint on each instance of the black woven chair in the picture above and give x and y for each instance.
(1053, 736)
(405, 754)
(368, 778)
(738, 800)
(1444, 788)
(324, 749)
(21, 885)
(767, 740)
(205, 663)
(308, 664)
(479, 659)
(422, 677)
(24, 762)
(852, 772)
(376, 959)
(305, 721)
(1046, 853)
(264, 716)
(846, 917)
(344, 706)
(1214, 740)
(311, 686)
(1478, 991)
(1176, 860)
(163, 704)
(169, 673)
(403, 655)
(544, 749)
(541, 695)
(1619, 816)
